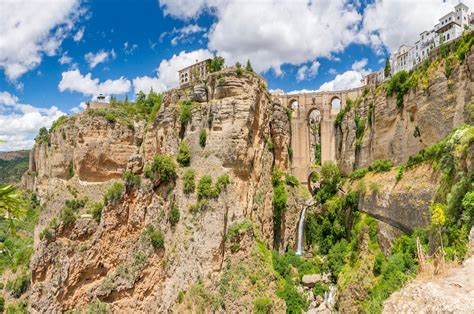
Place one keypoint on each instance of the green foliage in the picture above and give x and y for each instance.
(468, 206)
(188, 181)
(449, 65)
(19, 285)
(320, 289)
(317, 154)
(68, 216)
(131, 180)
(262, 306)
(337, 255)
(184, 154)
(205, 189)
(387, 69)
(358, 173)
(280, 200)
(71, 169)
(200, 206)
(330, 178)
(96, 211)
(21, 307)
(12, 170)
(162, 168)
(248, 67)
(2, 304)
(360, 130)
(370, 114)
(202, 137)
(185, 113)
(222, 183)
(342, 112)
(58, 123)
(114, 193)
(400, 171)
(236, 228)
(154, 102)
(380, 165)
(215, 64)
(154, 236)
(43, 136)
(291, 181)
(173, 216)
(398, 85)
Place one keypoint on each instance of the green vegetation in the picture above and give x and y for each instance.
(69, 213)
(215, 64)
(398, 85)
(184, 154)
(58, 123)
(222, 183)
(71, 169)
(387, 69)
(205, 189)
(358, 173)
(114, 194)
(43, 136)
(154, 236)
(291, 181)
(248, 67)
(188, 181)
(173, 216)
(19, 285)
(262, 306)
(360, 130)
(11, 202)
(131, 180)
(162, 169)
(21, 307)
(381, 165)
(236, 229)
(202, 137)
(185, 113)
(96, 211)
(12, 170)
(279, 202)
(340, 115)
(330, 178)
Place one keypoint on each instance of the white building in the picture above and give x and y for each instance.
(193, 72)
(450, 27)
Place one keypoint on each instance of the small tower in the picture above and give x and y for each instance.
(101, 98)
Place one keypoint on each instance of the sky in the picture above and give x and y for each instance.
(57, 54)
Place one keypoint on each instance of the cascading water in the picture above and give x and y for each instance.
(330, 296)
(299, 245)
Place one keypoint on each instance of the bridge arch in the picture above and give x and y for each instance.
(335, 103)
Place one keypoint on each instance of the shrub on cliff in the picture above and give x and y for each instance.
(205, 189)
(131, 180)
(188, 181)
(96, 211)
(162, 168)
(184, 154)
(155, 236)
(114, 193)
(358, 173)
(380, 165)
(43, 136)
(173, 216)
(330, 178)
(202, 137)
(19, 285)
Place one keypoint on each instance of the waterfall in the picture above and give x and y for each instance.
(330, 296)
(299, 245)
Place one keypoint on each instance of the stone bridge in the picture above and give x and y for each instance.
(307, 108)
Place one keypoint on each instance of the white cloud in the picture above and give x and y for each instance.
(30, 29)
(167, 72)
(78, 36)
(359, 65)
(271, 33)
(19, 123)
(74, 81)
(65, 59)
(306, 72)
(391, 23)
(129, 49)
(347, 80)
(184, 34)
(93, 59)
(82, 106)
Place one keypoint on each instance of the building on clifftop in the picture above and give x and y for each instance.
(100, 102)
(198, 70)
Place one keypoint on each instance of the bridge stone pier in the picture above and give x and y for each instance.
(322, 106)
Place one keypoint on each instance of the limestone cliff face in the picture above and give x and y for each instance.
(427, 117)
(109, 260)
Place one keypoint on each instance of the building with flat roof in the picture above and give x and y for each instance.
(100, 102)
(194, 72)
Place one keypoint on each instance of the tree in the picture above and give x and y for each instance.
(215, 64)
(11, 203)
(388, 70)
(248, 67)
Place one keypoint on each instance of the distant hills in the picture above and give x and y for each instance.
(13, 165)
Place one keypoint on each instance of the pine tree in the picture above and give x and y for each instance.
(249, 66)
(387, 71)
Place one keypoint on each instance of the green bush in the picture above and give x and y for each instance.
(114, 193)
(2, 304)
(215, 64)
(320, 289)
(205, 189)
(162, 168)
(202, 137)
(262, 306)
(132, 181)
(185, 113)
(330, 178)
(96, 211)
(358, 173)
(68, 216)
(378, 263)
(400, 171)
(75, 204)
(398, 84)
(155, 237)
(222, 183)
(46, 234)
(173, 216)
(235, 229)
(21, 307)
(342, 112)
(188, 181)
(19, 285)
(181, 295)
(295, 302)
(43, 136)
(184, 154)
(199, 206)
(71, 169)
(381, 165)
(291, 181)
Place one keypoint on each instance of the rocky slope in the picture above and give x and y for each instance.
(111, 260)
(12, 166)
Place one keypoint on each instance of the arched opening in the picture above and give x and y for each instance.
(335, 104)
(293, 104)
(314, 126)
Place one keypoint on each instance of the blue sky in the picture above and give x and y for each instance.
(57, 54)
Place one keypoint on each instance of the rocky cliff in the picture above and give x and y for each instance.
(112, 259)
